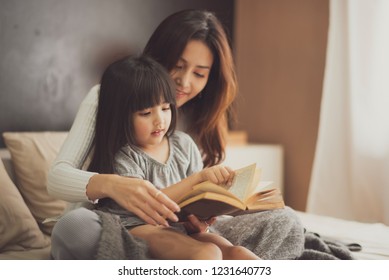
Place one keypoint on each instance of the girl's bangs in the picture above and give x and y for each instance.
(152, 91)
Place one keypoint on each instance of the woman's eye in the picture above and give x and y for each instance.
(167, 108)
(179, 66)
(199, 75)
(144, 113)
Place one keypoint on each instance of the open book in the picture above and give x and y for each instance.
(247, 194)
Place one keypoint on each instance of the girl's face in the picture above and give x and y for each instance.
(151, 125)
(191, 71)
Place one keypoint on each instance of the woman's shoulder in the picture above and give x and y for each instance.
(93, 95)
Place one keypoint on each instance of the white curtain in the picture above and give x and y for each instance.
(350, 176)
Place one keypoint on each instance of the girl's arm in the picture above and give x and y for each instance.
(217, 174)
(67, 181)
(195, 172)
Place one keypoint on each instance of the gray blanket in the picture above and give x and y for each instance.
(117, 243)
(317, 248)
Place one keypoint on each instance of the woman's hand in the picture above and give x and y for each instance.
(136, 195)
(218, 174)
(194, 225)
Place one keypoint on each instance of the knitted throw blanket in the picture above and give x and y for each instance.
(317, 248)
(116, 243)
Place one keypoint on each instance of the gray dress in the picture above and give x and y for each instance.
(184, 159)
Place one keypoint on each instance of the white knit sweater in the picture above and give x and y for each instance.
(66, 180)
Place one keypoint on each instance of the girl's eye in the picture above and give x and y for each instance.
(179, 66)
(165, 106)
(144, 113)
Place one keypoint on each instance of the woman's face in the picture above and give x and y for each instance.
(191, 71)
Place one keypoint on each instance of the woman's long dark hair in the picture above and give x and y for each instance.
(167, 44)
(128, 85)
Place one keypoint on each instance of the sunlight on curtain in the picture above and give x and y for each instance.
(350, 177)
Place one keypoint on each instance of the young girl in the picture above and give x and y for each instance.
(194, 48)
(135, 138)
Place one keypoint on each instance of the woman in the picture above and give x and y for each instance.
(193, 47)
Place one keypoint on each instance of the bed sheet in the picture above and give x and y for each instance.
(373, 237)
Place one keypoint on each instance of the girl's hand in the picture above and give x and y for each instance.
(138, 196)
(194, 225)
(218, 174)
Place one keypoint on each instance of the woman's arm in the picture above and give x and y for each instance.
(66, 180)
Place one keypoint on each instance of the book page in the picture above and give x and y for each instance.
(242, 181)
(254, 183)
(263, 186)
(205, 187)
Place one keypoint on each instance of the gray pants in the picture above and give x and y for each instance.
(276, 234)
(76, 235)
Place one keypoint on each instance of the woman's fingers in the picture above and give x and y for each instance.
(149, 214)
(157, 205)
(153, 214)
(147, 202)
(162, 203)
(166, 201)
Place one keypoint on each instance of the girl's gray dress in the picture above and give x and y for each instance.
(184, 159)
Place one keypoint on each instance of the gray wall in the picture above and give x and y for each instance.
(53, 51)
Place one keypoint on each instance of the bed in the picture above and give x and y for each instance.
(24, 203)
(373, 238)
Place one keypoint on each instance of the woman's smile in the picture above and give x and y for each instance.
(180, 93)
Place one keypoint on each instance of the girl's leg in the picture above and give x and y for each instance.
(229, 251)
(165, 243)
(272, 235)
(76, 235)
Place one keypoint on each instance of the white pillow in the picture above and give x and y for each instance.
(18, 228)
(32, 154)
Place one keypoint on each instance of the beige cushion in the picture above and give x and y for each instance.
(18, 228)
(32, 154)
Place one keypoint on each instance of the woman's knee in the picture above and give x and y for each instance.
(76, 235)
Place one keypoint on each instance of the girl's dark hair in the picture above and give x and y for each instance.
(128, 85)
(167, 44)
